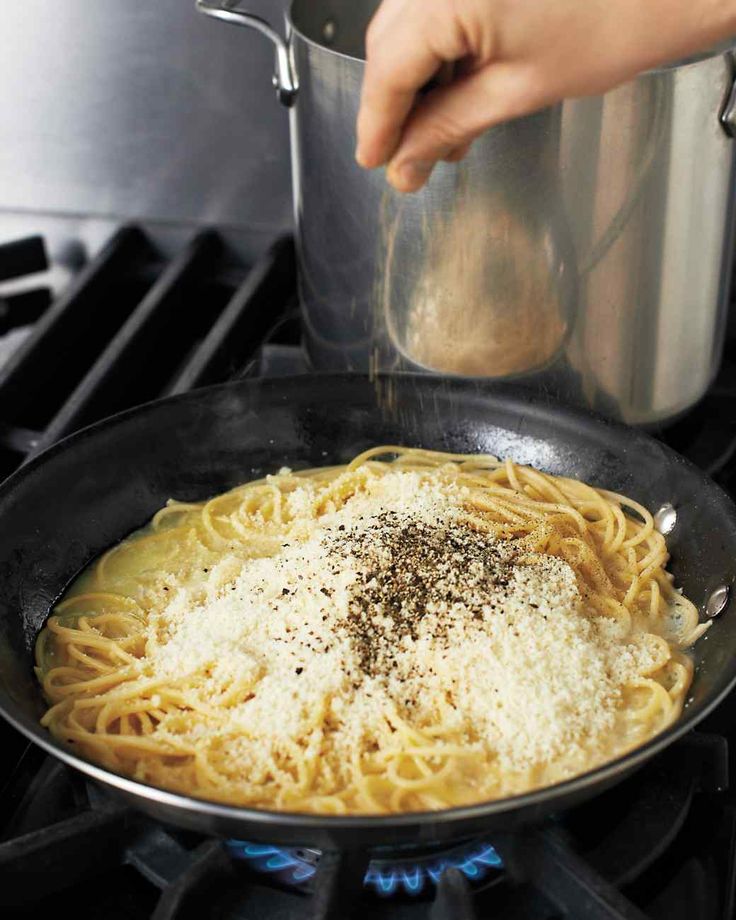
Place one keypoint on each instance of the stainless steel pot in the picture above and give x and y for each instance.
(585, 250)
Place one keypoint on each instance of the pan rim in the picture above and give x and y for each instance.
(307, 822)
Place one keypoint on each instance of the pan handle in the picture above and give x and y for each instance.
(284, 79)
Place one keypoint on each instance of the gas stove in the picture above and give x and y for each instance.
(135, 324)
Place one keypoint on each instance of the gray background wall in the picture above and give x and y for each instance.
(140, 109)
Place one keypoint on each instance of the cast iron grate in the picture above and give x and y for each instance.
(133, 327)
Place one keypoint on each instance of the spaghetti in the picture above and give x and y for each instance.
(412, 631)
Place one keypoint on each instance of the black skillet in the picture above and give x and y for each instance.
(86, 493)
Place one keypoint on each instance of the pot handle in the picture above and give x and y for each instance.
(284, 79)
(728, 112)
(728, 115)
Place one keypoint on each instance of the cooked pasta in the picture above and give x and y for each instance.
(414, 630)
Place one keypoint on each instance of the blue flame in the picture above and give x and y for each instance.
(404, 877)
(272, 859)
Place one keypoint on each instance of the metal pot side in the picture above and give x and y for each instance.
(585, 250)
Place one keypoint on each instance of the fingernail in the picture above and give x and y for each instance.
(410, 175)
(360, 157)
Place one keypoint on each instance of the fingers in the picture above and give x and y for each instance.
(406, 47)
(445, 123)
(459, 153)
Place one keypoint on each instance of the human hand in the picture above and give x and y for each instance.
(510, 58)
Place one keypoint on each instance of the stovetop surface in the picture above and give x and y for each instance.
(660, 845)
(665, 837)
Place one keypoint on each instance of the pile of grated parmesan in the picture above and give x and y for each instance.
(394, 602)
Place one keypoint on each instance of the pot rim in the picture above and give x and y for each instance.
(722, 48)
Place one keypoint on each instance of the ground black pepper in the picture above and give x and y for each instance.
(407, 568)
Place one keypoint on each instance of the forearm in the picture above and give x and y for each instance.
(691, 25)
(648, 33)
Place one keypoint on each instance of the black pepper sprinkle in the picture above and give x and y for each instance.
(299, 670)
(407, 568)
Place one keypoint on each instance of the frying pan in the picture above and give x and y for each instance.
(87, 492)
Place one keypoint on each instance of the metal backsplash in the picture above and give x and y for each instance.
(142, 109)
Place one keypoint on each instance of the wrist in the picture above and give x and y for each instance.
(684, 27)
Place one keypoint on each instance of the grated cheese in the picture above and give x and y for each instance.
(514, 664)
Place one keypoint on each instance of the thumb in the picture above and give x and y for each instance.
(449, 118)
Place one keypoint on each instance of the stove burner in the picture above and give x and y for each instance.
(409, 875)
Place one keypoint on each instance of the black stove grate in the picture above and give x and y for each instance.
(134, 326)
